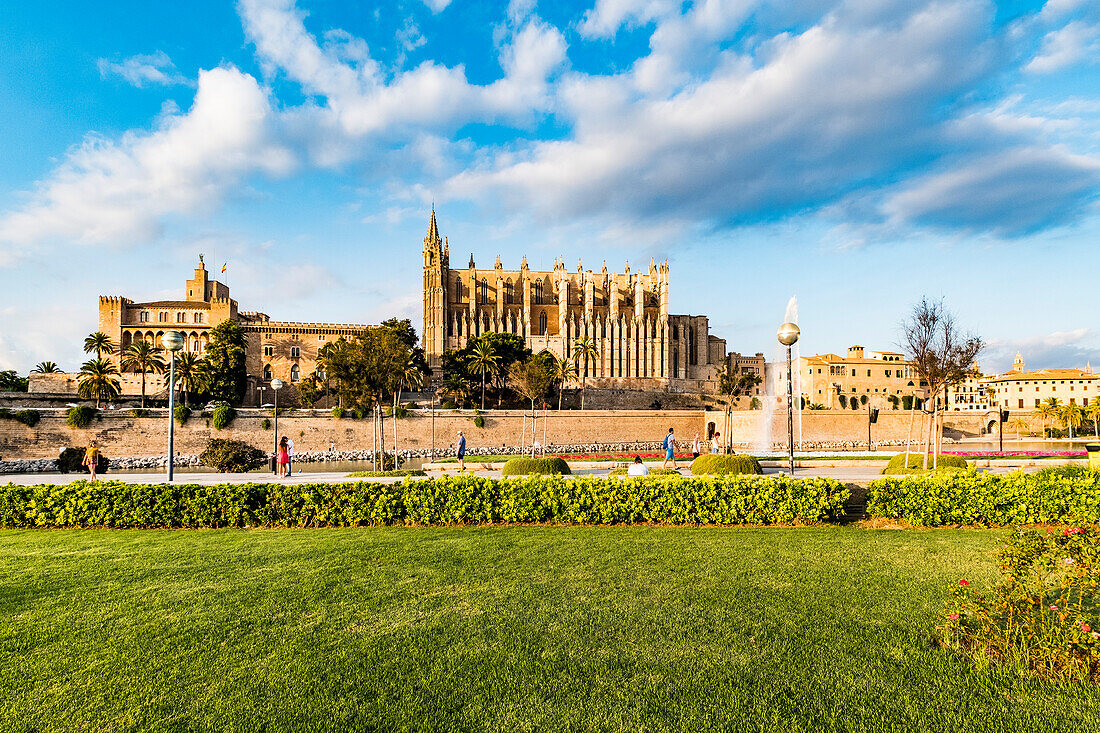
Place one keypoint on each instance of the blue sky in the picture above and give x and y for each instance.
(859, 155)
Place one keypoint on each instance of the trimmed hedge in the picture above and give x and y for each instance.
(541, 466)
(458, 500)
(897, 464)
(182, 413)
(718, 465)
(1046, 497)
(29, 418)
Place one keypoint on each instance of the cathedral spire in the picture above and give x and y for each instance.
(432, 237)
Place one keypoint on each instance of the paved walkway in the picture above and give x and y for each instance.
(854, 474)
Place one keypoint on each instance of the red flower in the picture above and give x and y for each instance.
(953, 616)
(964, 582)
(1086, 627)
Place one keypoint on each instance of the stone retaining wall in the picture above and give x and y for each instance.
(123, 435)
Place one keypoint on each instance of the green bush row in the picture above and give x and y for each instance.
(29, 418)
(433, 501)
(80, 416)
(915, 463)
(1053, 496)
(526, 466)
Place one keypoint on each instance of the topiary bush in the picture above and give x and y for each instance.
(139, 412)
(232, 456)
(1042, 618)
(479, 419)
(71, 460)
(222, 416)
(719, 465)
(265, 424)
(81, 416)
(897, 464)
(360, 413)
(541, 466)
(338, 412)
(182, 413)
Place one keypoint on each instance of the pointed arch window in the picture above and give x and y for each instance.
(509, 293)
(484, 322)
(483, 296)
(542, 323)
(538, 293)
(458, 291)
(295, 373)
(267, 372)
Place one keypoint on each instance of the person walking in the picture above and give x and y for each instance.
(91, 458)
(284, 458)
(289, 455)
(670, 450)
(716, 444)
(695, 447)
(461, 451)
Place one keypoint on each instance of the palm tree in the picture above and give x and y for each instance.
(191, 373)
(563, 371)
(97, 381)
(46, 367)
(142, 356)
(484, 361)
(584, 351)
(1093, 411)
(1048, 409)
(98, 342)
(454, 387)
(1019, 424)
(1070, 416)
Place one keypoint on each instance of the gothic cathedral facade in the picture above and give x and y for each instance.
(624, 315)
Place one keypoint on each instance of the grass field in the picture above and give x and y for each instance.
(501, 628)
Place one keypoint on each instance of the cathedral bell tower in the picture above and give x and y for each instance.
(435, 297)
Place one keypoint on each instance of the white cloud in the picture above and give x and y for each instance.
(437, 6)
(140, 70)
(1070, 349)
(1010, 192)
(1074, 42)
(605, 19)
(119, 192)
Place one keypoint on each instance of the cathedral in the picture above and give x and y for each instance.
(624, 315)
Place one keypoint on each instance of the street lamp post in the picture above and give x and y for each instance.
(431, 456)
(276, 385)
(173, 342)
(788, 334)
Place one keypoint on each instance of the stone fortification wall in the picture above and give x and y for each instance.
(123, 435)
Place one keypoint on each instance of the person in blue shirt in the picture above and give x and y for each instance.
(461, 451)
(670, 450)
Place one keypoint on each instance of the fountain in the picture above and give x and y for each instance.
(775, 390)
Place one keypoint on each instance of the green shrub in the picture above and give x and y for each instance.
(81, 416)
(907, 402)
(987, 499)
(1042, 618)
(656, 471)
(182, 413)
(360, 413)
(232, 456)
(540, 466)
(456, 500)
(265, 424)
(71, 460)
(399, 413)
(479, 419)
(139, 412)
(450, 405)
(384, 474)
(717, 465)
(338, 412)
(29, 418)
(898, 465)
(222, 416)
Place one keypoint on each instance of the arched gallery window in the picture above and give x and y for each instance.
(508, 291)
(267, 371)
(542, 323)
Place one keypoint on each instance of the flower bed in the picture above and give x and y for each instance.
(1018, 454)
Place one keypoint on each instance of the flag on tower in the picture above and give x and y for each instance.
(224, 264)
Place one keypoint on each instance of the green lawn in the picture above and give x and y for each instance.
(501, 628)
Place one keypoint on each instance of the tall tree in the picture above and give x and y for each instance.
(532, 379)
(1071, 416)
(584, 351)
(225, 354)
(483, 361)
(191, 373)
(142, 356)
(312, 389)
(46, 367)
(1049, 409)
(1093, 411)
(10, 381)
(98, 381)
(732, 388)
(99, 343)
(941, 354)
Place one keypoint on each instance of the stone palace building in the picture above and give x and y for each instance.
(640, 345)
